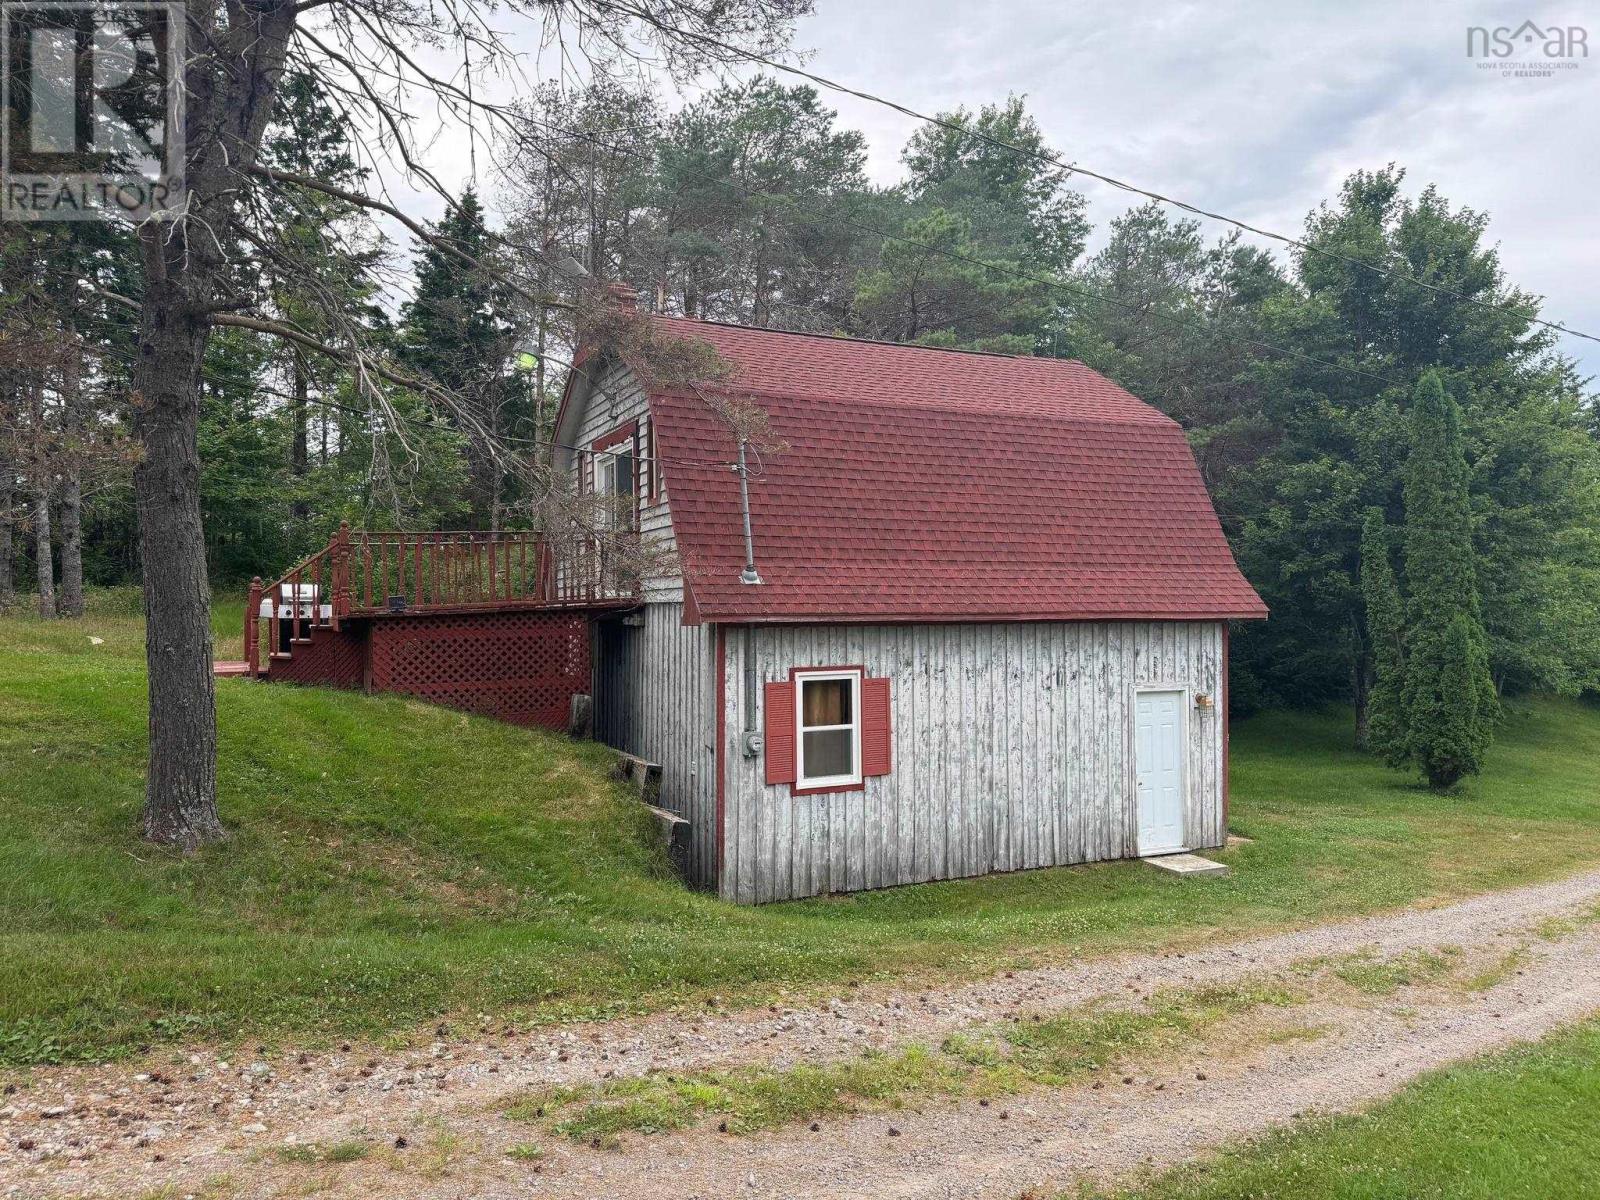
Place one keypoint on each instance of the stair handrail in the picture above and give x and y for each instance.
(325, 569)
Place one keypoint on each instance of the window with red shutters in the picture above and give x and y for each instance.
(875, 739)
(779, 704)
(827, 729)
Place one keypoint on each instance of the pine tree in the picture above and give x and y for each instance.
(1386, 724)
(1448, 696)
(455, 334)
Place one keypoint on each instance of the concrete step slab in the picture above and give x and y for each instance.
(1188, 864)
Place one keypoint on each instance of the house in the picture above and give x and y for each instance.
(990, 628)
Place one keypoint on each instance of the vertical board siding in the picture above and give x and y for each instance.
(1012, 748)
(615, 399)
(655, 696)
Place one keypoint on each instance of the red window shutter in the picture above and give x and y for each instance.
(780, 732)
(875, 727)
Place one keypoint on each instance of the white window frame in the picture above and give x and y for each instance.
(606, 464)
(607, 461)
(818, 782)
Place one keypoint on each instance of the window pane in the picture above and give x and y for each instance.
(622, 483)
(827, 702)
(829, 753)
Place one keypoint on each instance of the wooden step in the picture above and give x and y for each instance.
(642, 776)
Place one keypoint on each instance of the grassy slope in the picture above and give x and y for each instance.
(392, 861)
(1514, 1126)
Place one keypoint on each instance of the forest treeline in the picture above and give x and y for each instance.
(1296, 375)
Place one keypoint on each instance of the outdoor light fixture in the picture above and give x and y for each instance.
(1202, 700)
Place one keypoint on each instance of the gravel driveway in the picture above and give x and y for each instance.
(198, 1121)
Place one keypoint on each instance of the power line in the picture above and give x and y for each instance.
(1074, 168)
(1076, 289)
(1051, 283)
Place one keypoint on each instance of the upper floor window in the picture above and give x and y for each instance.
(614, 471)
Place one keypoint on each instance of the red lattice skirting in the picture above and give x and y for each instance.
(331, 658)
(520, 667)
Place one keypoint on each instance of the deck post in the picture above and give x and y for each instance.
(252, 630)
(339, 581)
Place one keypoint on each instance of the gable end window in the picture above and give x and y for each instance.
(614, 473)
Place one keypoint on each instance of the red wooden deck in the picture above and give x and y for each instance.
(496, 624)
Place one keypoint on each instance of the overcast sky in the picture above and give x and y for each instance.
(1259, 110)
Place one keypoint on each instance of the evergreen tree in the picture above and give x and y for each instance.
(455, 333)
(931, 289)
(747, 182)
(1316, 449)
(972, 198)
(1017, 204)
(307, 137)
(1448, 696)
(1386, 726)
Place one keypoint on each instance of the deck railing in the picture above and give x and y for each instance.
(362, 573)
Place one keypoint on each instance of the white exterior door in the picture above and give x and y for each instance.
(1158, 763)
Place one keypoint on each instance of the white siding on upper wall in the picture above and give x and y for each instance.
(1012, 748)
(655, 697)
(615, 398)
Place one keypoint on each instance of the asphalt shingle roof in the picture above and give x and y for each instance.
(931, 485)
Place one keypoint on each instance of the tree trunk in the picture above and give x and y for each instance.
(42, 551)
(71, 600)
(1362, 670)
(541, 453)
(181, 787)
(8, 585)
(495, 471)
(184, 267)
(1361, 692)
(72, 416)
(299, 448)
(39, 489)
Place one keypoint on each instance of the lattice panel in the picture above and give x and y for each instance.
(330, 659)
(519, 667)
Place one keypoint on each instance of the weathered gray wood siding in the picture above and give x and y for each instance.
(1012, 748)
(614, 399)
(655, 696)
(655, 683)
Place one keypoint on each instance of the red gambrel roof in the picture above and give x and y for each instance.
(937, 485)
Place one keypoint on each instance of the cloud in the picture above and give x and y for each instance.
(1258, 110)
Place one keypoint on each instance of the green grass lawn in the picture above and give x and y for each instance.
(391, 862)
(1523, 1125)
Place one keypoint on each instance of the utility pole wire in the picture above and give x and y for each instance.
(957, 127)
(1076, 289)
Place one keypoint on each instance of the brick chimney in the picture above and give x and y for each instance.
(623, 297)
